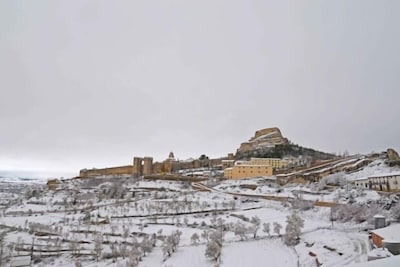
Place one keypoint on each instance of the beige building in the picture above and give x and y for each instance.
(246, 171)
(227, 163)
(255, 167)
(275, 163)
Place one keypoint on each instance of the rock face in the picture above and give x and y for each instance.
(392, 155)
(265, 138)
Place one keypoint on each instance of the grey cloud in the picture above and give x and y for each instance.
(89, 83)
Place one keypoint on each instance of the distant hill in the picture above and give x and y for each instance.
(30, 176)
(269, 143)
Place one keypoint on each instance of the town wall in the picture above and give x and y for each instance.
(85, 173)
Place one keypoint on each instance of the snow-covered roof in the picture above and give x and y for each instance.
(265, 159)
(380, 253)
(378, 176)
(379, 216)
(390, 261)
(254, 165)
(391, 232)
(360, 179)
(385, 174)
(242, 162)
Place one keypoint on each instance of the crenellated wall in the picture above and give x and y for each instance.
(145, 166)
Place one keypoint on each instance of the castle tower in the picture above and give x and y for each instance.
(147, 165)
(137, 167)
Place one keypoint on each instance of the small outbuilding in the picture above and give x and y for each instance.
(388, 237)
(379, 221)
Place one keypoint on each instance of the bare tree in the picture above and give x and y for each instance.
(134, 257)
(146, 245)
(277, 228)
(171, 243)
(213, 251)
(293, 229)
(395, 211)
(240, 230)
(1, 248)
(205, 234)
(123, 249)
(256, 225)
(98, 246)
(266, 228)
(195, 239)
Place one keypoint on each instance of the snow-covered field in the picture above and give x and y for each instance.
(126, 222)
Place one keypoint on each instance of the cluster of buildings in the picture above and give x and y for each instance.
(385, 240)
(143, 166)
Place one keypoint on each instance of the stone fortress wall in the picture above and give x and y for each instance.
(121, 170)
(145, 166)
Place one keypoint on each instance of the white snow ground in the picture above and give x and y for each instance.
(145, 207)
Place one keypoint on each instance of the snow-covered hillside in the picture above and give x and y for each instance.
(128, 222)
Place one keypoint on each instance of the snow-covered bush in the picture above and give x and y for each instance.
(302, 204)
(357, 212)
(332, 179)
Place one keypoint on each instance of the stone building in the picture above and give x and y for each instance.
(253, 168)
(380, 182)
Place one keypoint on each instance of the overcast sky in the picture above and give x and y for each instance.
(92, 83)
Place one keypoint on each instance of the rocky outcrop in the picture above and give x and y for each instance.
(265, 138)
(393, 158)
(269, 143)
(392, 155)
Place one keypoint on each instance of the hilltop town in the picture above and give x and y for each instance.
(267, 153)
(271, 201)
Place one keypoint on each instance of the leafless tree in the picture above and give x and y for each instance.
(213, 251)
(240, 230)
(266, 228)
(195, 239)
(293, 229)
(277, 228)
(256, 225)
